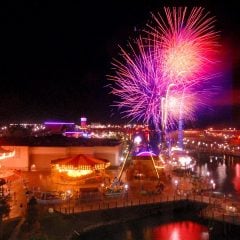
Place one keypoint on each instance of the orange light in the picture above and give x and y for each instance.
(78, 173)
(7, 155)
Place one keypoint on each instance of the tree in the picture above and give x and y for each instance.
(32, 212)
(4, 211)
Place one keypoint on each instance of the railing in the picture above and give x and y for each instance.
(214, 150)
(214, 210)
(115, 203)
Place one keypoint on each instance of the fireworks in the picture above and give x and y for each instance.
(160, 78)
(188, 44)
(138, 83)
(178, 105)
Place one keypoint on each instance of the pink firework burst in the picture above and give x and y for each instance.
(188, 44)
(181, 104)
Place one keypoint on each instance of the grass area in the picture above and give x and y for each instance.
(8, 227)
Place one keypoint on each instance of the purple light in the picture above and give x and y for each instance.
(58, 123)
(146, 153)
(73, 132)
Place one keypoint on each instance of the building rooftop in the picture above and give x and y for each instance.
(56, 140)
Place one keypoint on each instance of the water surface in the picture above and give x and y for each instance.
(224, 170)
(152, 228)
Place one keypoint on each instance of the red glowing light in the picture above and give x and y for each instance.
(236, 180)
(181, 231)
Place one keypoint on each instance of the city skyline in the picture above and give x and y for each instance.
(55, 58)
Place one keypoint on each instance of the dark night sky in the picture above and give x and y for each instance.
(55, 56)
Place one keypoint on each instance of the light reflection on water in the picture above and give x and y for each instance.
(185, 230)
(225, 171)
(236, 179)
(149, 229)
(221, 172)
(226, 174)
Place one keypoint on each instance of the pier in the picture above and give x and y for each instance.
(210, 207)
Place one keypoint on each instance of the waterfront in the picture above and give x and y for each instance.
(223, 170)
(154, 228)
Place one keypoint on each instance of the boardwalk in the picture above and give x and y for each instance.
(216, 208)
(215, 151)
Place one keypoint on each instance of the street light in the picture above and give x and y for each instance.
(213, 184)
(68, 194)
(137, 140)
(176, 185)
(126, 190)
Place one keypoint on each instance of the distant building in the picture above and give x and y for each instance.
(83, 122)
(59, 127)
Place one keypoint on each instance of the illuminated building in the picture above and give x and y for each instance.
(59, 127)
(83, 122)
(79, 165)
(4, 153)
(37, 153)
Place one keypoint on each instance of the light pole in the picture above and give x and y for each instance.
(176, 186)
(126, 190)
(69, 196)
(213, 185)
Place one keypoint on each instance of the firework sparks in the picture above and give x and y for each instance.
(188, 43)
(160, 79)
(138, 83)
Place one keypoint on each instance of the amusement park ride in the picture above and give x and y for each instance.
(175, 158)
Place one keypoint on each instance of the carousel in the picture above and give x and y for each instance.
(6, 153)
(80, 165)
(6, 173)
